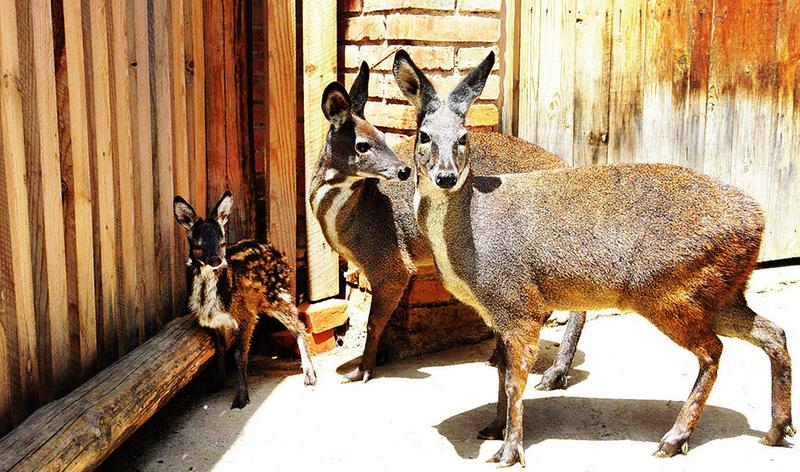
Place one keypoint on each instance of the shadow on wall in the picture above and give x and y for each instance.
(593, 419)
(412, 368)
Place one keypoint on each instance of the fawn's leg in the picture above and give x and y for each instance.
(494, 430)
(520, 343)
(687, 326)
(555, 376)
(241, 355)
(218, 373)
(737, 320)
(385, 297)
(286, 313)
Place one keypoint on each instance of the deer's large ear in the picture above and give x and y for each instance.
(412, 82)
(336, 104)
(471, 86)
(222, 210)
(184, 213)
(359, 91)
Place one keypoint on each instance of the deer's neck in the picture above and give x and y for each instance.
(210, 297)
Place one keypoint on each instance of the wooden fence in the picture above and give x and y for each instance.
(102, 123)
(707, 84)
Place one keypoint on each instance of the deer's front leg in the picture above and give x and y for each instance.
(218, 369)
(494, 430)
(241, 355)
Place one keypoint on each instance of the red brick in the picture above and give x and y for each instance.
(381, 58)
(384, 5)
(321, 342)
(361, 28)
(443, 28)
(324, 316)
(375, 86)
(351, 5)
(468, 58)
(445, 85)
(424, 290)
(391, 115)
(479, 5)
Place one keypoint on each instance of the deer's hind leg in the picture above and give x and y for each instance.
(737, 320)
(688, 326)
(285, 311)
(555, 377)
(241, 354)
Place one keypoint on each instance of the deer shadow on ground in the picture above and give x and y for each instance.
(412, 368)
(598, 419)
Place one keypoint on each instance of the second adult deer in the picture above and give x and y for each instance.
(671, 244)
(370, 220)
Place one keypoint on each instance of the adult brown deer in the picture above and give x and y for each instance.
(674, 245)
(370, 221)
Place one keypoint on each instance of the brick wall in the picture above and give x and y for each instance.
(445, 38)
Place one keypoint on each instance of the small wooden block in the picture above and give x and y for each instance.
(325, 315)
(321, 342)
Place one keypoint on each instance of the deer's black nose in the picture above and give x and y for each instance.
(404, 173)
(446, 179)
(214, 261)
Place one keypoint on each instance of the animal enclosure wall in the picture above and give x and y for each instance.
(707, 84)
(102, 122)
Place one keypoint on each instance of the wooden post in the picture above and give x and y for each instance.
(510, 65)
(319, 69)
(281, 158)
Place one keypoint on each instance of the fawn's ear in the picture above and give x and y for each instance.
(412, 82)
(222, 210)
(471, 86)
(336, 104)
(184, 213)
(359, 91)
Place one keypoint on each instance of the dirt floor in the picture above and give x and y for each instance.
(627, 385)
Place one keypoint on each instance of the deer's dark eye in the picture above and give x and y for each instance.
(362, 147)
(462, 141)
(424, 138)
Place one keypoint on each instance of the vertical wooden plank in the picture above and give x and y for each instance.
(215, 100)
(529, 53)
(281, 159)
(11, 121)
(165, 233)
(8, 332)
(555, 110)
(199, 99)
(50, 184)
(719, 100)
(104, 169)
(81, 179)
(128, 193)
(180, 145)
(592, 81)
(510, 43)
(700, 12)
(142, 135)
(625, 101)
(319, 69)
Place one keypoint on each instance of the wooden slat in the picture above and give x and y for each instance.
(555, 111)
(510, 63)
(8, 335)
(281, 158)
(195, 90)
(165, 224)
(529, 52)
(50, 182)
(700, 12)
(141, 97)
(216, 162)
(592, 81)
(180, 145)
(319, 69)
(128, 193)
(81, 179)
(104, 169)
(11, 121)
(625, 102)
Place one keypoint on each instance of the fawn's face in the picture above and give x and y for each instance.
(442, 146)
(207, 239)
(358, 149)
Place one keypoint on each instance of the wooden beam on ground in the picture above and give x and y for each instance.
(80, 430)
(281, 156)
(319, 69)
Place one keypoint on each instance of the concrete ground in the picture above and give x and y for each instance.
(627, 386)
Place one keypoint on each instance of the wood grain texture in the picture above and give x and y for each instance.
(104, 169)
(510, 64)
(592, 81)
(79, 431)
(196, 92)
(127, 192)
(319, 69)
(216, 136)
(165, 234)
(281, 157)
(143, 136)
(529, 55)
(11, 119)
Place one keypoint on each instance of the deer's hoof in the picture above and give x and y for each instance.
(509, 455)
(240, 400)
(778, 433)
(672, 443)
(359, 374)
(553, 379)
(309, 377)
